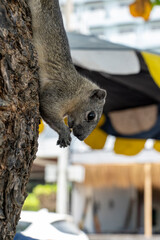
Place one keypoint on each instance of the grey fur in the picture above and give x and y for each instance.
(63, 91)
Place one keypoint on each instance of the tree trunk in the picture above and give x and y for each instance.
(19, 111)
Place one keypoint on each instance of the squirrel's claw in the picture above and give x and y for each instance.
(63, 143)
(64, 140)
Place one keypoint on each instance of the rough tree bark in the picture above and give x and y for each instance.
(19, 110)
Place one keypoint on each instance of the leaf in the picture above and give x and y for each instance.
(141, 8)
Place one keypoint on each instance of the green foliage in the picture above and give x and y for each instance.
(155, 2)
(46, 189)
(31, 203)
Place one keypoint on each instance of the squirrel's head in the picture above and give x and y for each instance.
(87, 113)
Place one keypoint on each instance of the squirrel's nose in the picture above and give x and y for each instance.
(79, 127)
(78, 130)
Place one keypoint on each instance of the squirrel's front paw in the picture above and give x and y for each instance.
(64, 139)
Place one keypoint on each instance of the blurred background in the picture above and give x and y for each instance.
(110, 183)
(114, 20)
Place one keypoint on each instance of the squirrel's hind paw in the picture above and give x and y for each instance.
(64, 140)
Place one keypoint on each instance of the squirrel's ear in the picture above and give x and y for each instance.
(98, 93)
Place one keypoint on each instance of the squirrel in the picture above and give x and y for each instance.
(63, 91)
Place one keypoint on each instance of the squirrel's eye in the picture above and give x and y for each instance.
(91, 116)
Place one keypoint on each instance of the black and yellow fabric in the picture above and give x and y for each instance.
(128, 147)
(153, 63)
(157, 146)
(132, 109)
(98, 137)
(41, 127)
